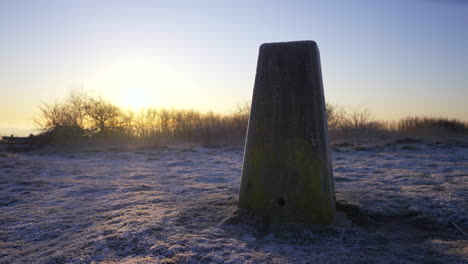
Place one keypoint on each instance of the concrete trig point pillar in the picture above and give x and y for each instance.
(287, 175)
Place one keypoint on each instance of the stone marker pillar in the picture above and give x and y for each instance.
(287, 175)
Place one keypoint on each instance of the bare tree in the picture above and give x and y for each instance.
(105, 117)
(337, 117)
(360, 117)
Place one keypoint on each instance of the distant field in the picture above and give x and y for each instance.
(19, 132)
(178, 205)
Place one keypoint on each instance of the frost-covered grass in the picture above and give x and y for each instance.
(178, 205)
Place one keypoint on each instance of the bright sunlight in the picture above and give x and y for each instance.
(138, 83)
(137, 98)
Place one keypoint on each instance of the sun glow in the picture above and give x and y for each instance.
(137, 98)
(138, 84)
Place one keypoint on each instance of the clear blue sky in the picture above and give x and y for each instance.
(397, 58)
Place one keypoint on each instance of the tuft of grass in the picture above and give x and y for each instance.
(408, 140)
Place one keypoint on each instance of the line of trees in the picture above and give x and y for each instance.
(358, 122)
(82, 116)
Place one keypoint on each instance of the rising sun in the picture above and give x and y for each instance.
(137, 99)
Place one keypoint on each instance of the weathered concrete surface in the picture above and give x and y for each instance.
(287, 174)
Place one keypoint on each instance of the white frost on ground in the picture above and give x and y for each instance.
(167, 205)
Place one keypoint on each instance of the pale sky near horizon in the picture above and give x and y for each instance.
(396, 58)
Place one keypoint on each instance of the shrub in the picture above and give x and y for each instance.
(435, 126)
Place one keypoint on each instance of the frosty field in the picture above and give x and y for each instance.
(178, 205)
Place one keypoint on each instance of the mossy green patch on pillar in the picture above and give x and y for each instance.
(287, 174)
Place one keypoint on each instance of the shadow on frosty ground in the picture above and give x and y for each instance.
(178, 205)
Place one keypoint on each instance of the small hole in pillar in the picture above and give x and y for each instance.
(281, 202)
